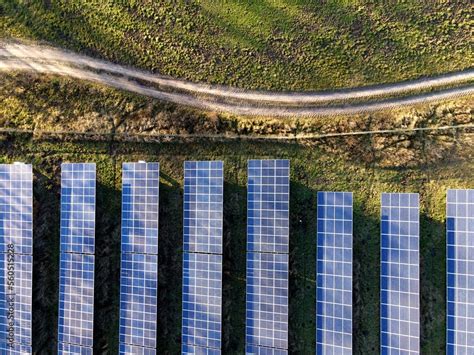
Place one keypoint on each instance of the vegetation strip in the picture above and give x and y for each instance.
(244, 137)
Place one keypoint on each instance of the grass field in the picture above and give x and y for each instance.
(424, 162)
(292, 44)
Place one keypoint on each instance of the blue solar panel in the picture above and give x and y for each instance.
(202, 258)
(15, 349)
(139, 267)
(260, 350)
(460, 271)
(267, 300)
(126, 349)
(202, 299)
(140, 207)
(268, 206)
(76, 299)
(16, 208)
(16, 248)
(399, 299)
(267, 254)
(138, 299)
(334, 273)
(76, 275)
(78, 208)
(70, 349)
(196, 350)
(16, 297)
(203, 206)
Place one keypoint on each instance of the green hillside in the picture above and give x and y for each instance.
(283, 44)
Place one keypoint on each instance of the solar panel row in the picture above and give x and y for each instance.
(267, 262)
(202, 257)
(16, 257)
(267, 257)
(76, 275)
(334, 273)
(460, 271)
(139, 259)
(399, 280)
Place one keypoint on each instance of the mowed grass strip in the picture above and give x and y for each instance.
(289, 45)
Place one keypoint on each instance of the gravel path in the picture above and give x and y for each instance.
(49, 60)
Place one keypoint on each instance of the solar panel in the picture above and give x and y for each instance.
(202, 257)
(196, 350)
(16, 260)
(202, 299)
(460, 271)
(334, 273)
(76, 274)
(138, 299)
(400, 312)
(70, 349)
(268, 206)
(78, 208)
(140, 207)
(267, 256)
(139, 266)
(16, 298)
(76, 299)
(267, 300)
(16, 208)
(15, 349)
(203, 206)
(260, 350)
(135, 350)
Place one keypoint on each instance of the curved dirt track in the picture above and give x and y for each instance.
(48, 60)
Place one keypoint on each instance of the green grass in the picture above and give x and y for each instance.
(332, 165)
(292, 44)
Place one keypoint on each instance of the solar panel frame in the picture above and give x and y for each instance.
(21, 292)
(188, 349)
(16, 208)
(460, 271)
(140, 207)
(72, 349)
(334, 273)
(127, 349)
(203, 206)
(399, 279)
(202, 300)
(15, 349)
(267, 300)
(138, 299)
(268, 206)
(78, 200)
(76, 299)
(261, 350)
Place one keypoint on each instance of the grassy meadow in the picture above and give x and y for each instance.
(262, 44)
